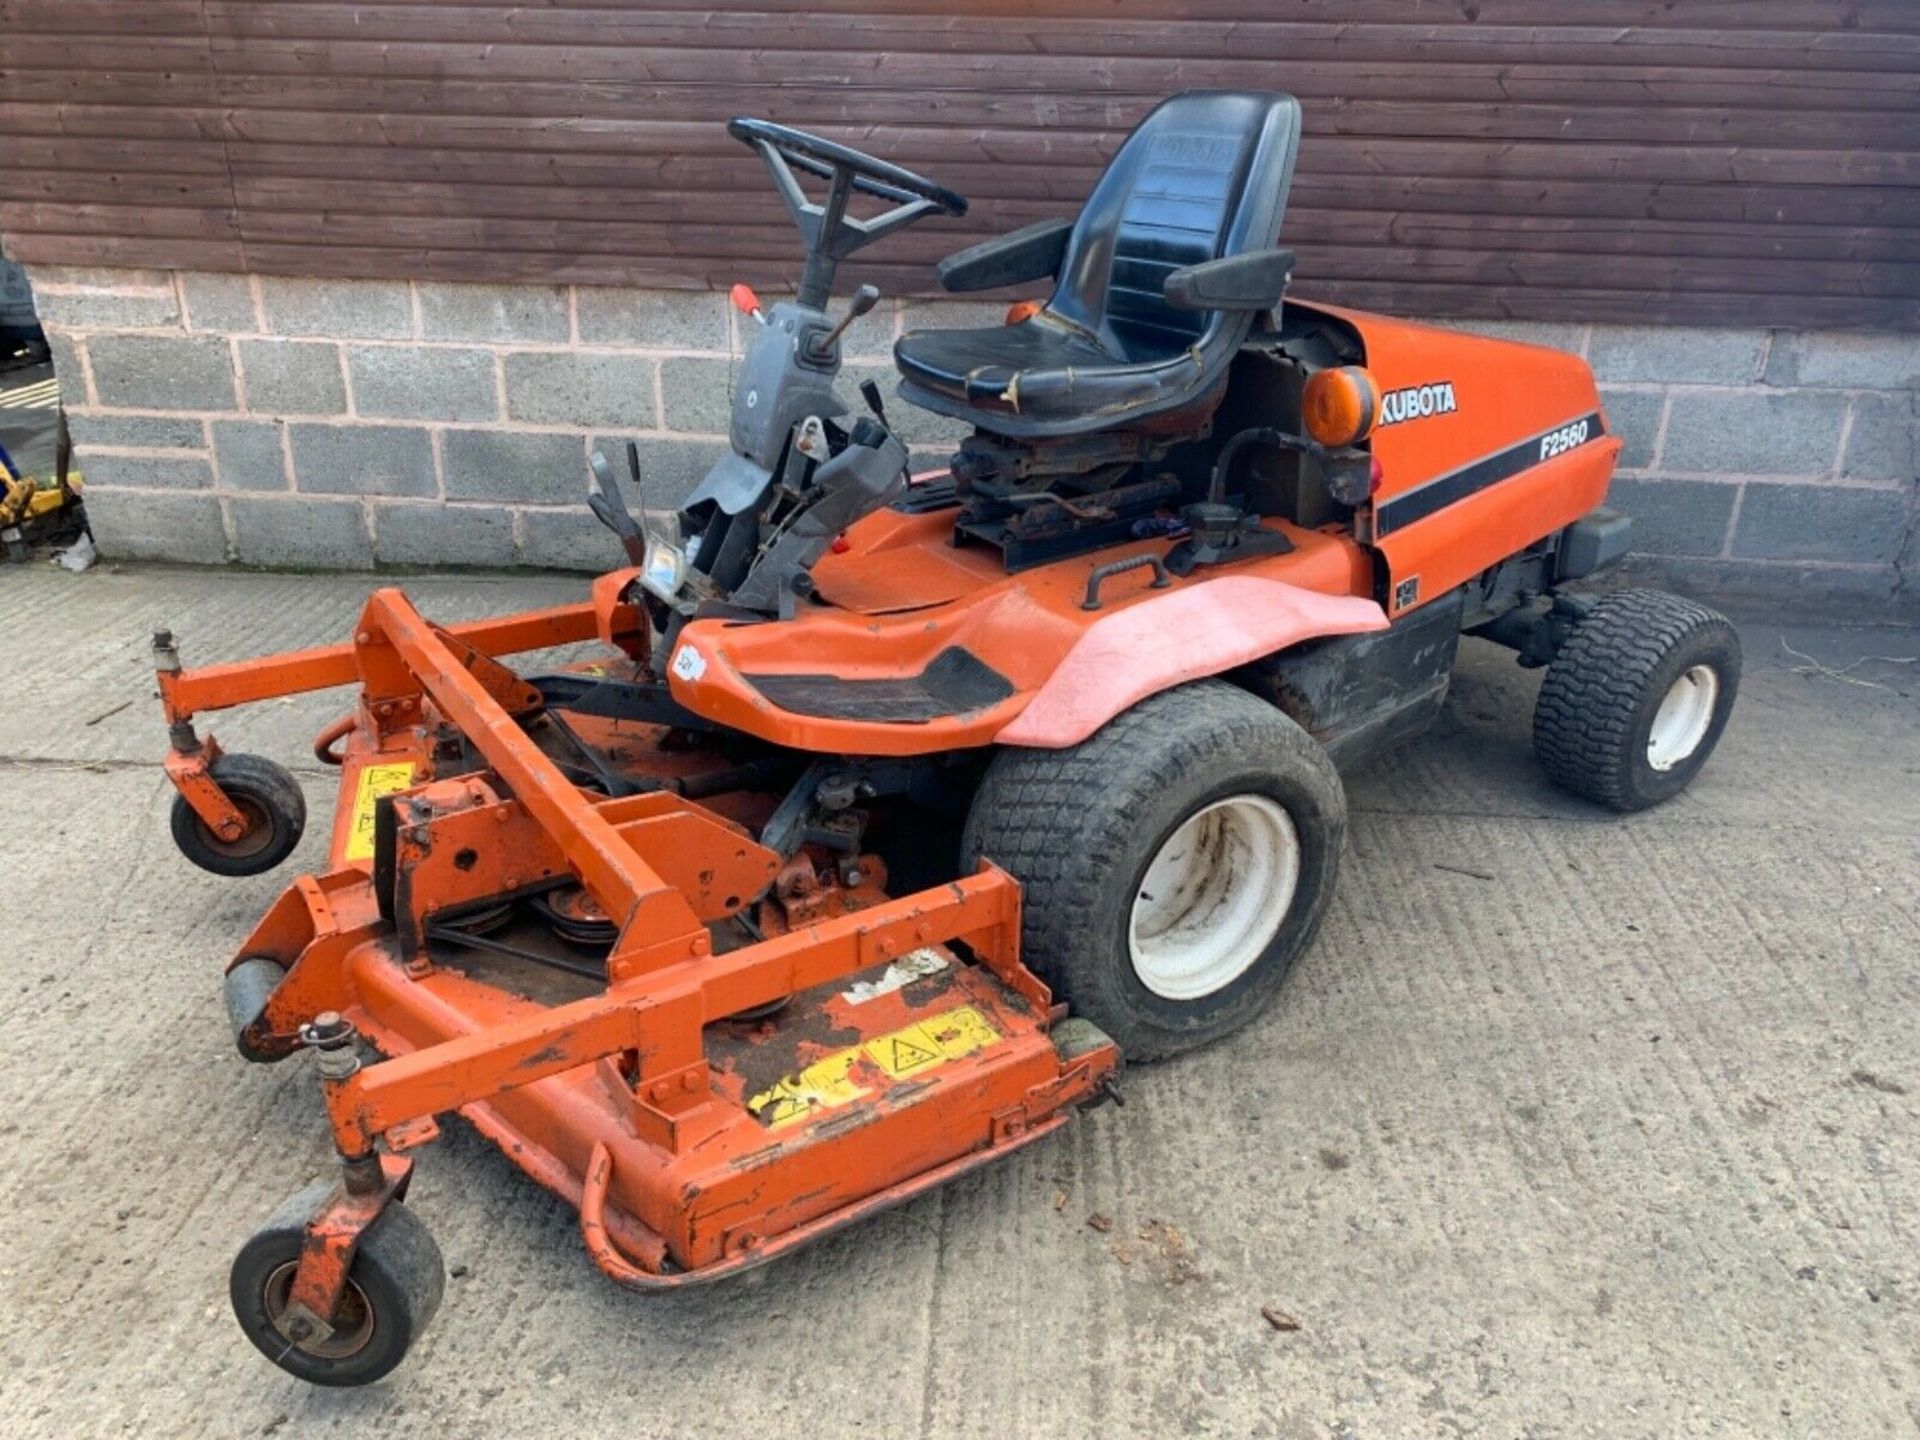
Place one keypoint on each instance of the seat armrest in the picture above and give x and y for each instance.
(1032, 252)
(1253, 281)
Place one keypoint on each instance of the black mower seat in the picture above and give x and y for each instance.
(1202, 178)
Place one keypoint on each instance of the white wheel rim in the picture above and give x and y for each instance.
(1681, 722)
(1214, 897)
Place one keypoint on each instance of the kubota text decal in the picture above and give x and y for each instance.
(1417, 402)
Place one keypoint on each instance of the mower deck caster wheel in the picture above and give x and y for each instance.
(275, 810)
(393, 1289)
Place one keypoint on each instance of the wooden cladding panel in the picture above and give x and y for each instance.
(1708, 161)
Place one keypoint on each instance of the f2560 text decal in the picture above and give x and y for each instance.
(1567, 437)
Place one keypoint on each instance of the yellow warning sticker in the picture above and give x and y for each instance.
(830, 1082)
(823, 1085)
(375, 781)
(931, 1042)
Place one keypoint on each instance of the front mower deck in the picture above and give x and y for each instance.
(844, 1096)
(547, 909)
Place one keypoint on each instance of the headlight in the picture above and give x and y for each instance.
(665, 570)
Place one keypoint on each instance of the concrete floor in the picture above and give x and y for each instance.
(1611, 1129)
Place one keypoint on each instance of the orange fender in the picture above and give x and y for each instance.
(1155, 644)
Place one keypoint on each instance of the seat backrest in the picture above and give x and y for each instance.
(1206, 174)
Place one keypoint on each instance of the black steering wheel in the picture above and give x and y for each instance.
(830, 233)
(868, 173)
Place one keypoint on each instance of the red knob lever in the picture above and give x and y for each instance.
(746, 302)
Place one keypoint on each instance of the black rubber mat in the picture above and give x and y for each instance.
(956, 682)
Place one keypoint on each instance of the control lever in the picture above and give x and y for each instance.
(610, 507)
(864, 299)
(870, 392)
(746, 302)
(633, 474)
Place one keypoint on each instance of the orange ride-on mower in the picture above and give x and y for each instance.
(898, 808)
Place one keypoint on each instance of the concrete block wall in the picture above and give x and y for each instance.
(362, 424)
(350, 424)
(1762, 464)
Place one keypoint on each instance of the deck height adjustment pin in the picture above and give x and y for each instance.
(332, 1035)
(166, 655)
(166, 661)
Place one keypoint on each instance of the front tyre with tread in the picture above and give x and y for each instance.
(1636, 698)
(1121, 920)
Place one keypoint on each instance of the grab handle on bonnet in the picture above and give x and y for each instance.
(1117, 567)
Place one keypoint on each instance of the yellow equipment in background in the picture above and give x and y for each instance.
(31, 509)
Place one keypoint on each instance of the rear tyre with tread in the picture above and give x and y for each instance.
(393, 1289)
(1636, 698)
(1173, 865)
(275, 810)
